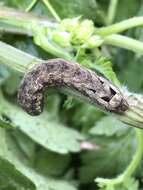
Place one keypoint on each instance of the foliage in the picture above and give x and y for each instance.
(46, 152)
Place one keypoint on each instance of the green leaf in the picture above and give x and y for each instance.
(78, 117)
(86, 119)
(53, 164)
(132, 74)
(111, 158)
(104, 66)
(128, 184)
(34, 150)
(4, 74)
(89, 9)
(16, 172)
(12, 83)
(75, 8)
(9, 173)
(124, 13)
(109, 126)
(49, 133)
(17, 3)
(27, 146)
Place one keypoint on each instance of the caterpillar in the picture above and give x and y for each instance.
(77, 80)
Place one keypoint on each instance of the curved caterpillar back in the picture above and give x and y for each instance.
(59, 73)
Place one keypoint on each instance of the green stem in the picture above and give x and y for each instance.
(24, 23)
(131, 167)
(21, 62)
(120, 27)
(20, 22)
(49, 6)
(42, 40)
(16, 59)
(137, 157)
(124, 42)
(111, 11)
(31, 5)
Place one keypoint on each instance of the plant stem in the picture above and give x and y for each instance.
(124, 42)
(42, 40)
(111, 11)
(21, 62)
(20, 22)
(138, 155)
(23, 23)
(49, 6)
(31, 5)
(120, 27)
(130, 168)
(16, 59)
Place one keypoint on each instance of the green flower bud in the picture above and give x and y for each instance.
(94, 41)
(82, 33)
(87, 28)
(70, 25)
(61, 38)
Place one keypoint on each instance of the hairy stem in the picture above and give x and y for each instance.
(137, 157)
(128, 172)
(31, 5)
(121, 26)
(16, 59)
(20, 22)
(124, 42)
(22, 62)
(49, 6)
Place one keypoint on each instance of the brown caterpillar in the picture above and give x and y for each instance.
(58, 73)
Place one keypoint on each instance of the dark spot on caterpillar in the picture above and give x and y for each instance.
(58, 73)
(93, 90)
(106, 98)
(112, 91)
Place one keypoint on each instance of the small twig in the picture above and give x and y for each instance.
(31, 5)
(111, 11)
(19, 22)
(49, 6)
(121, 26)
(22, 23)
(124, 42)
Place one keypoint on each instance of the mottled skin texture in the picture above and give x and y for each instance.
(58, 73)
